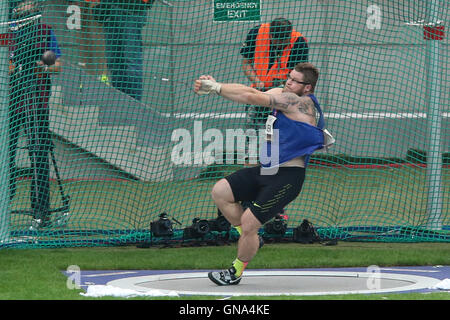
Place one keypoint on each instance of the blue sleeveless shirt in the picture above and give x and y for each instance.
(294, 138)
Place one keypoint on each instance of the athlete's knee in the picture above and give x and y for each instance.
(249, 223)
(222, 191)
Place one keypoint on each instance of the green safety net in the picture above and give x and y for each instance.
(111, 140)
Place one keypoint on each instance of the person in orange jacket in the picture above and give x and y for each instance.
(270, 52)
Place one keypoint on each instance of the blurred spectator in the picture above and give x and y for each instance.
(122, 22)
(30, 89)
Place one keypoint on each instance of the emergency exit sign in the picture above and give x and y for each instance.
(237, 10)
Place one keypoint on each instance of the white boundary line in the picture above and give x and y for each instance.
(345, 115)
(111, 274)
(417, 282)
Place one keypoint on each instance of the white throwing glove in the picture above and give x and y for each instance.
(209, 86)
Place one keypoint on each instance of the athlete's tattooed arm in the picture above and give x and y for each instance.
(301, 108)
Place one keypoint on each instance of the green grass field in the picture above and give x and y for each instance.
(36, 274)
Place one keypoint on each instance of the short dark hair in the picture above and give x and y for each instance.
(309, 71)
(280, 28)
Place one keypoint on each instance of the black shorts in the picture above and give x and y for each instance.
(266, 195)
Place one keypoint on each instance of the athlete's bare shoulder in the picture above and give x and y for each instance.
(289, 102)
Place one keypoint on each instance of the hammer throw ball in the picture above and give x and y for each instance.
(49, 58)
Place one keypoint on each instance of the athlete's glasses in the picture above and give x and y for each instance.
(299, 82)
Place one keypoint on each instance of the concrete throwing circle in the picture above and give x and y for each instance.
(275, 283)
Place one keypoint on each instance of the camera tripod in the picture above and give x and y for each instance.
(63, 211)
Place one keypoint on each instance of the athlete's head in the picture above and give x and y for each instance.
(302, 79)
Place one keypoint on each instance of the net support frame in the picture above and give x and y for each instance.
(4, 127)
(434, 158)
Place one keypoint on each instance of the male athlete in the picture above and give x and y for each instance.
(294, 133)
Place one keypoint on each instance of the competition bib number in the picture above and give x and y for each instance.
(269, 127)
